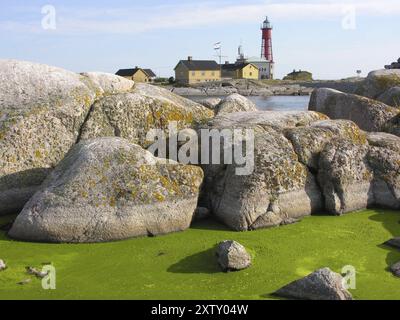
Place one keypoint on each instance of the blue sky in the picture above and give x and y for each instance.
(330, 38)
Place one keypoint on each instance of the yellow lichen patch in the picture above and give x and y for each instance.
(150, 121)
(169, 112)
(103, 179)
(91, 183)
(322, 116)
(85, 99)
(367, 176)
(134, 194)
(172, 186)
(113, 202)
(84, 194)
(355, 135)
(107, 164)
(38, 154)
(159, 197)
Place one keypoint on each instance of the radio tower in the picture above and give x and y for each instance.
(266, 47)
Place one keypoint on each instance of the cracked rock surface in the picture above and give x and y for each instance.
(108, 189)
(279, 180)
(42, 109)
(45, 110)
(132, 115)
(370, 115)
(303, 164)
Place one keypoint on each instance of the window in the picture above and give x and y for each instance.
(203, 73)
(213, 73)
(193, 73)
(251, 73)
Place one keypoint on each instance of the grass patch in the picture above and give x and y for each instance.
(183, 266)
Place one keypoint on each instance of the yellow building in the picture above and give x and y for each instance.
(240, 71)
(197, 71)
(137, 75)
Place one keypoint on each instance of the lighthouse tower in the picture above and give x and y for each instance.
(265, 63)
(266, 47)
(267, 56)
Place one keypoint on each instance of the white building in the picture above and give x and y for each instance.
(265, 68)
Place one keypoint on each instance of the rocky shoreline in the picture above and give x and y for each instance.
(264, 88)
(76, 162)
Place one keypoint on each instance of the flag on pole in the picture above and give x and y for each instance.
(217, 46)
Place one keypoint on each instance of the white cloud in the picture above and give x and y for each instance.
(142, 19)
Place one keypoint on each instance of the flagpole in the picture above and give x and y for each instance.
(218, 47)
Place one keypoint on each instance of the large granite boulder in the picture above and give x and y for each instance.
(278, 179)
(335, 151)
(108, 189)
(345, 176)
(384, 159)
(368, 114)
(355, 169)
(132, 115)
(279, 182)
(378, 82)
(310, 141)
(391, 97)
(303, 164)
(323, 284)
(45, 110)
(42, 109)
(235, 103)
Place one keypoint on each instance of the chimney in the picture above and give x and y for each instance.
(226, 62)
(190, 58)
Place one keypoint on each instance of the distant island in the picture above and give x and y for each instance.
(299, 76)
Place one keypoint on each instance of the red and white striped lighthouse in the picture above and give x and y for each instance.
(266, 47)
